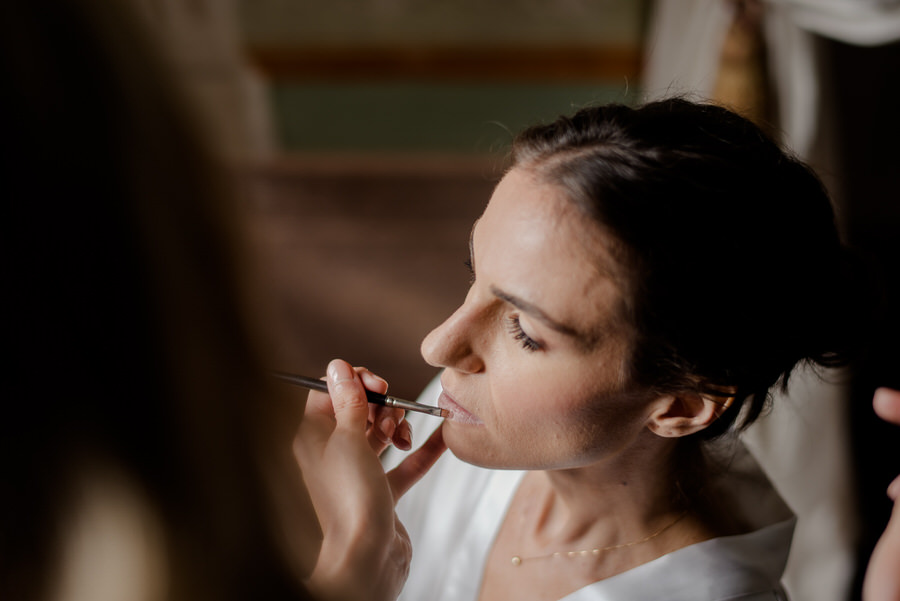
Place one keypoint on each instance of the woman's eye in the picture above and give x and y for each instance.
(468, 264)
(515, 329)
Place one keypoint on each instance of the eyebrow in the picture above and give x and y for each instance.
(531, 309)
(585, 341)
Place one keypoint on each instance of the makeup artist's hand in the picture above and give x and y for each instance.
(365, 551)
(882, 582)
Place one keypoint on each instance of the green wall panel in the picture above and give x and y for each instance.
(406, 117)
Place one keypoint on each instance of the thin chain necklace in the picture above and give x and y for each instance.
(517, 560)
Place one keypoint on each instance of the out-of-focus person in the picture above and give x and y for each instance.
(144, 452)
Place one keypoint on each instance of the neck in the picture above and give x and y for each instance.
(571, 503)
(604, 518)
(604, 503)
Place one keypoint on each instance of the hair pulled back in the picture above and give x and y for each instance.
(734, 272)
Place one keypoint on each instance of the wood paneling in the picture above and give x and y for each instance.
(360, 258)
(495, 64)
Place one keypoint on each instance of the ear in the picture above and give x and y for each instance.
(673, 416)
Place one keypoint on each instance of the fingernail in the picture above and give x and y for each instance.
(339, 371)
(388, 427)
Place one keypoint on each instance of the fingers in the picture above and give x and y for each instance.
(882, 581)
(887, 404)
(346, 403)
(893, 492)
(402, 438)
(348, 396)
(387, 425)
(371, 381)
(412, 468)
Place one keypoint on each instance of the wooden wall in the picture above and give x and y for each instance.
(360, 258)
(391, 117)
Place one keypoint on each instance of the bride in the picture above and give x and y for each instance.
(641, 279)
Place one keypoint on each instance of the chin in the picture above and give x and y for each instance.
(464, 449)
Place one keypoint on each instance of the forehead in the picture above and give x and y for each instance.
(533, 242)
(537, 218)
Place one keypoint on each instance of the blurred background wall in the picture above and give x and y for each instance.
(389, 121)
(370, 133)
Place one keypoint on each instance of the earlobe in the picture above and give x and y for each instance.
(674, 416)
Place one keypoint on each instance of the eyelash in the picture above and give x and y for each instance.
(513, 324)
(468, 264)
(515, 329)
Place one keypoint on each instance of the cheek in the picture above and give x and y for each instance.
(518, 386)
(537, 411)
(578, 422)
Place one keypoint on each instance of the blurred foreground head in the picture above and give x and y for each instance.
(129, 366)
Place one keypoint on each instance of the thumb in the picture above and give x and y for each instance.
(416, 464)
(351, 408)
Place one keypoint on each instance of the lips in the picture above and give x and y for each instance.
(457, 413)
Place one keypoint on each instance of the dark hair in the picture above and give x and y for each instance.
(127, 346)
(734, 272)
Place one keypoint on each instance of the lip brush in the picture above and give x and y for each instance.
(373, 397)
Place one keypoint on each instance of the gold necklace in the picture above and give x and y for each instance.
(517, 560)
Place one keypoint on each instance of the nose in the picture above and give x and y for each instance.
(453, 343)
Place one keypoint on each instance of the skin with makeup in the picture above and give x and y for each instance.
(542, 322)
(641, 278)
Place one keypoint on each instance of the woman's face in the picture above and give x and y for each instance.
(535, 357)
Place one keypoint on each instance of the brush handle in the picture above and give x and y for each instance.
(372, 397)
